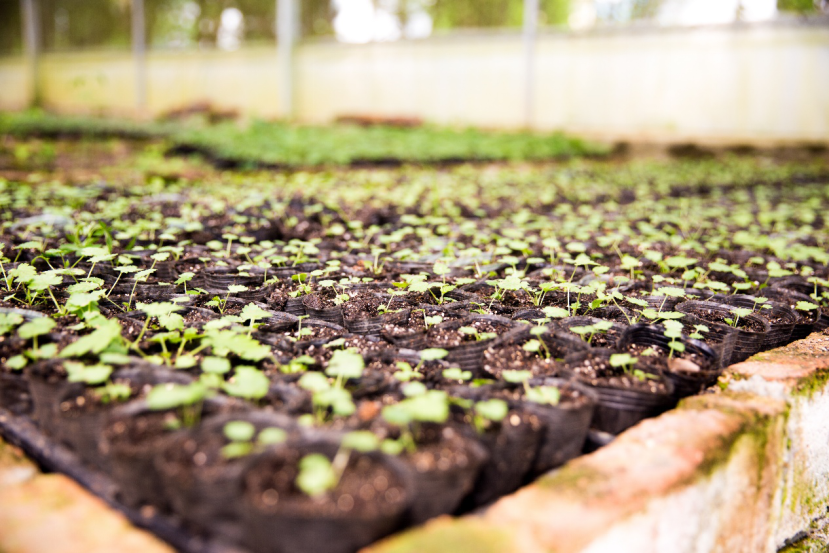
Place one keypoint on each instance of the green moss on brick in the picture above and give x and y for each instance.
(809, 386)
(462, 536)
(575, 478)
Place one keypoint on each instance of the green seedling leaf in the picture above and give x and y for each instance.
(492, 409)
(17, 362)
(806, 306)
(316, 475)
(433, 354)
(239, 431)
(547, 395)
(345, 364)
(170, 396)
(237, 288)
(532, 346)
(252, 312)
(314, 382)
(272, 436)
(37, 327)
(516, 376)
(622, 360)
(158, 309)
(247, 383)
(88, 374)
(433, 406)
(456, 373)
(360, 440)
(215, 365)
(8, 321)
(555, 312)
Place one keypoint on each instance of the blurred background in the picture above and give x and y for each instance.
(712, 70)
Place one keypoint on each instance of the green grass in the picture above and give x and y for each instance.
(265, 144)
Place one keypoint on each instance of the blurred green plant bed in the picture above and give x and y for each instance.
(260, 144)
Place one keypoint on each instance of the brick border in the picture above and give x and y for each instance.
(45, 513)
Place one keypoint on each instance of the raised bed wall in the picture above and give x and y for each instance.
(748, 83)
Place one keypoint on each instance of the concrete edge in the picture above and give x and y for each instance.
(44, 513)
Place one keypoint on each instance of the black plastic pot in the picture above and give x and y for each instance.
(46, 382)
(780, 333)
(132, 438)
(806, 321)
(374, 325)
(290, 521)
(468, 355)
(217, 279)
(685, 383)
(329, 314)
(796, 283)
(201, 485)
(564, 426)
(443, 470)
(746, 342)
(620, 408)
(315, 323)
(14, 393)
(280, 321)
(512, 445)
(81, 429)
(611, 336)
(557, 343)
(822, 323)
(295, 306)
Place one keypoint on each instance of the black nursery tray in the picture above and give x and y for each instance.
(23, 433)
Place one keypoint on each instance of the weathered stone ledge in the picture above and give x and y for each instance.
(50, 513)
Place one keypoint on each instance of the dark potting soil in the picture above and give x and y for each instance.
(447, 338)
(597, 371)
(717, 317)
(692, 362)
(513, 357)
(366, 488)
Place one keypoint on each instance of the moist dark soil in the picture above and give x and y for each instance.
(661, 357)
(743, 323)
(366, 489)
(570, 397)
(309, 333)
(597, 371)
(513, 357)
(362, 305)
(447, 338)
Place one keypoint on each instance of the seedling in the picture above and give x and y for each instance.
(241, 435)
(184, 278)
(487, 412)
(479, 336)
(187, 399)
(317, 475)
(673, 330)
(221, 304)
(599, 327)
(739, 312)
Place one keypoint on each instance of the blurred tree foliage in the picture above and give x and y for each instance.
(799, 6)
(11, 33)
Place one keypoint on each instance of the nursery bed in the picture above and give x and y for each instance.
(253, 361)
